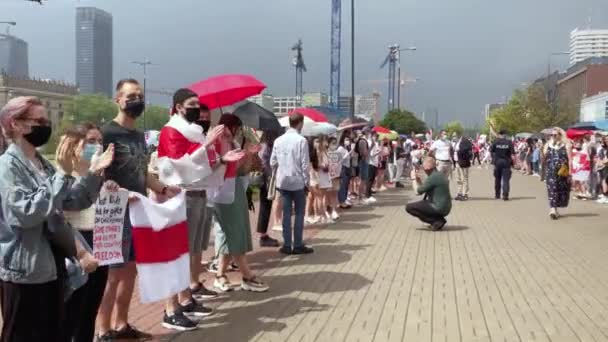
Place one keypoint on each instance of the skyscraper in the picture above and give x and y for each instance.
(588, 43)
(13, 56)
(94, 51)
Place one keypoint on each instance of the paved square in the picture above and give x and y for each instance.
(500, 271)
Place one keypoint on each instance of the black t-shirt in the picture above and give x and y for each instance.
(502, 150)
(130, 166)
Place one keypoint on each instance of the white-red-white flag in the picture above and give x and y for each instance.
(160, 239)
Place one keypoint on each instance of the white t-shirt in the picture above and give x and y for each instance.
(442, 150)
(374, 155)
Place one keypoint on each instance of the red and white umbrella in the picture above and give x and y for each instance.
(310, 113)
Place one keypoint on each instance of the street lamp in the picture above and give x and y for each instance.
(352, 59)
(412, 48)
(144, 64)
(8, 26)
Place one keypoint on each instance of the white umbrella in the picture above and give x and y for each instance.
(312, 128)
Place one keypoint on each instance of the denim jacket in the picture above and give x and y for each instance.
(28, 201)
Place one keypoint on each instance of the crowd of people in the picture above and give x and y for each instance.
(48, 208)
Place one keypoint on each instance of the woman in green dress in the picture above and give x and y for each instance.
(232, 211)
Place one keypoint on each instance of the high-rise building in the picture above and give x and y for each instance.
(344, 103)
(588, 43)
(13, 56)
(94, 51)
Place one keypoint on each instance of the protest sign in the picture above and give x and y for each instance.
(335, 164)
(109, 219)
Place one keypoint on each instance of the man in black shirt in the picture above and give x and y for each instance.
(503, 154)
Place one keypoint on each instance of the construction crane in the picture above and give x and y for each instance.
(391, 59)
(336, 35)
(298, 62)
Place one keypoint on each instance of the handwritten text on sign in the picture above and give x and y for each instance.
(335, 164)
(109, 219)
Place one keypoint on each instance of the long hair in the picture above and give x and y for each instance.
(314, 156)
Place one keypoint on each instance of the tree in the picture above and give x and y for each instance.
(454, 127)
(403, 121)
(529, 111)
(99, 109)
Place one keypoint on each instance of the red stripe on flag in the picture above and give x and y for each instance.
(162, 246)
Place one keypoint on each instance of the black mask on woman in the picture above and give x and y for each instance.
(205, 124)
(192, 114)
(134, 108)
(39, 135)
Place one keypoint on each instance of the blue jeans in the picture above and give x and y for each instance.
(345, 176)
(298, 198)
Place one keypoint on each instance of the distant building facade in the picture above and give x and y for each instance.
(54, 94)
(490, 107)
(94, 51)
(263, 100)
(594, 108)
(284, 105)
(13, 56)
(367, 106)
(588, 43)
(584, 79)
(315, 99)
(345, 103)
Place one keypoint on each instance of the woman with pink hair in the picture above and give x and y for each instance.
(36, 240)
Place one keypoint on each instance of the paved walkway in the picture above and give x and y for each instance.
(500, 271)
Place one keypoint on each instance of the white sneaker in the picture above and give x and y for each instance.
(348, 202)
(372, 199)
(277, 228)
(313, 220)
(222, 285)
(334, 215)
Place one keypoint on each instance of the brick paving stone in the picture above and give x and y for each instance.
(500, 271)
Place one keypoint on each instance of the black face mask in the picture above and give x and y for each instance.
(205, 124)
(192, 114)
(39, 136)
(134, 108)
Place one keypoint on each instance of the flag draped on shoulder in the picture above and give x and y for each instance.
(182, 159)
(160, 239)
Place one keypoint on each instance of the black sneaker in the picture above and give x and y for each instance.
(458, 198)
(438, 225)
(107, 337)
(194, 310)
(128, 332)
(302, 250)
(201, 292)
(178, 322)
(267, 241)
(286, 250)
(506, 198)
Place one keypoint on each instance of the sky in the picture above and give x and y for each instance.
(469, 52)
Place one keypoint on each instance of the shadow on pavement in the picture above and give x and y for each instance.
(355, 217)
(579, 215)
(444, 229)
(348, 226)
(323, 255)
(520, 198)
(243, 323)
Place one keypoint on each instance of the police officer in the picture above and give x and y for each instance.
(503, 154)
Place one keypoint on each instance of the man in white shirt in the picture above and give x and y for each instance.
(443, 153)
(290, 157)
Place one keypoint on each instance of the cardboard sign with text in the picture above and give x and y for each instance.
(335, 164)
(109, 219)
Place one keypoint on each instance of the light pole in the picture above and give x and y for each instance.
(144, 64)
(413, 48)
(552, 98)
(8, 26)
(352, 59)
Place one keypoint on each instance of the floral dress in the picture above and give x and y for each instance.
(558, 187)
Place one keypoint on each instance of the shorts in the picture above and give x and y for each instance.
(128, 250)
(335, 184)
(364, 171)
(199, 221)
(382, 165)
(355, 171)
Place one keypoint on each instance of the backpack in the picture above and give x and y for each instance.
(357, 145)
(465, 153)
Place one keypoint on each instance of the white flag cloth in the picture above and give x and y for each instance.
(160, 239)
